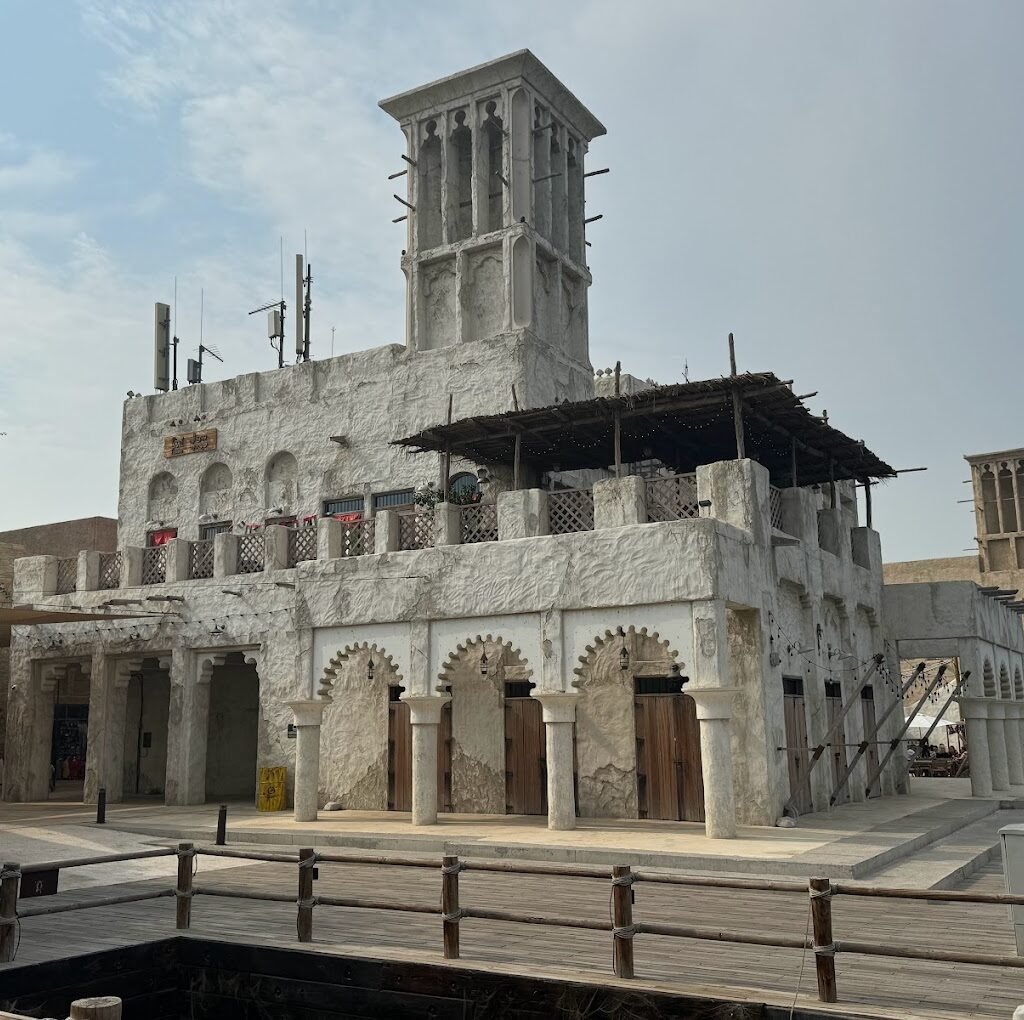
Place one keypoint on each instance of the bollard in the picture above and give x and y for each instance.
(450, 912)
(10, 875)
(101, 806)
(824, 947)
(622, 921)
(304, 922)
(222, 825)
(183, 892)
(104, 1007)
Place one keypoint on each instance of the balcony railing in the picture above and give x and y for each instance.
(672, 499)
(301, 544)
(416, 530)
(775, 507)
(110, 570)
(200, 560)
(478, 522)
(357, 537)
(250, 552)
(67, 575)
(154, 564)
(570, 511)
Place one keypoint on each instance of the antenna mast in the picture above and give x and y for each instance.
(175, 341)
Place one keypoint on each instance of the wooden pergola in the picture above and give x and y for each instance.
(752, 414)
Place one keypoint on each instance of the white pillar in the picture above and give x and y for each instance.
(425, 716)
(974, 712)
(714, 712)
(1014, 756)
(559, 713)
(308, 716)
(997, 746)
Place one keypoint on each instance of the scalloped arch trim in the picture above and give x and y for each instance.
(590, 654)
(464, 646)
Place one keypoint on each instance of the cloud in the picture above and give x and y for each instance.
(35, 171)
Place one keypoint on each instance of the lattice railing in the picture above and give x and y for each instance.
(478, 522)
(301, 544)
(67, 575)
(571, 510)
(416, 531)
(672, 499)
(775, 507)
(110, 570)
(154, 564)
(357, 537)
(200, 560)
(251, 548)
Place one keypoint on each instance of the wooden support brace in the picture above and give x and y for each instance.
(622, 921)
(824, 946)
(183, 892)
(304, 922)
(450, 912)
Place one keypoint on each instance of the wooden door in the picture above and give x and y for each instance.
(670, 783)
(400, 755)
(867, 705)
(840, 761)
(526, 778)
(796, 743)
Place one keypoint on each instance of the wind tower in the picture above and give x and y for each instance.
(495, 216)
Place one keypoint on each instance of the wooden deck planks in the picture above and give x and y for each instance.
(886, 987)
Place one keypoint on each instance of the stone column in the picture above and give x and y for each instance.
(997, 745)
(619, 502)
(225, 555)
(328, 538)
(447, 524)
(387, 531)
(522, 513)
(308, 716)
(195, 727)
(425, 716)
(88, 578)
(559, 713)
(714, 712)
(1014, 756)
(974, 712)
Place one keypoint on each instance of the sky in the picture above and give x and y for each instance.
(837, 184)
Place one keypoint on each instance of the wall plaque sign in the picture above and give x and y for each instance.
(190, 442)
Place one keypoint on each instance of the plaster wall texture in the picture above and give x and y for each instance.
(952, 568)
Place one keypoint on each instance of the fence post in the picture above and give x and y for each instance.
(222, 825)
(824, 947)
(304, 925)
(622, 921)
(103, 1007)
(101, 806)
(450, 912)
(183, 894)
(10, 875)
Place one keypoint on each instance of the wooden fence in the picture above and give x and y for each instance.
(621, 924)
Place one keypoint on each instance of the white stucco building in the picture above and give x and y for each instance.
(661, 602)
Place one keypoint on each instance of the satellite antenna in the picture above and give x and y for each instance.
(161, 347)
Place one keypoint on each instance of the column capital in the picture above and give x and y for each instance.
(425, 709)
(974, 708)
(997, 710)
(712, 702)
(308, 712)
(557, 706)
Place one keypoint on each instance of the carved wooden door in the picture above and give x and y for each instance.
(840, 761)
(526, 778)
(796, 743)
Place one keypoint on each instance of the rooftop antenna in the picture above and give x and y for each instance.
(332, 341)
(161, 346)
(195, 368)
(302, 302)
(174, 340)
(275, 317)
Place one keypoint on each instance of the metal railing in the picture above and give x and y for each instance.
(672, 499)
(570, 510)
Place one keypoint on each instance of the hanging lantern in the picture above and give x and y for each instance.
(483, 664)
(370, 670)
(624, 659)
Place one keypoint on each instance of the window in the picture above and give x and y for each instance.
(400, 497)
(833, 689)
(464, 488)
(161, 537)
(793, 686)
(867, 693)
(339, 507)
(207, 531)
(518, 688)
(660, 684)
(288, 522)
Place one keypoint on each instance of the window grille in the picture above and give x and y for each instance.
(400, 497)
(154, 564)
(793, 686)
(478, 522)
(672, 499)
(518, 688)
(351, 505)
(357, 538)
(659, 684)
(200, 560)
(110, 570)
(416, 530)
(250, 552)
(775, 507)
(208, 531)
(571, 510)
(301, 544)
(67, 575)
